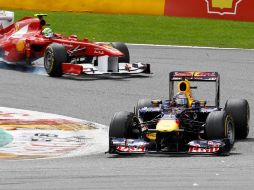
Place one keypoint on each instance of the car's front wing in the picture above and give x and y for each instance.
(139, 146)
(90, 69)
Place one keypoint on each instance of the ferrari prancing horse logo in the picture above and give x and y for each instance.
(222, 7)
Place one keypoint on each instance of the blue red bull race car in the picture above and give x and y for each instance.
(29, 39)
(181, 124)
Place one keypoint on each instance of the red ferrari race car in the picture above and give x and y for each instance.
(27, 40)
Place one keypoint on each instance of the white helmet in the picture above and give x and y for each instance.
(47, 32)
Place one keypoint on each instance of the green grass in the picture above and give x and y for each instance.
(151, 29)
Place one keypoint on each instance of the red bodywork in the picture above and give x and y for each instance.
(23, 42)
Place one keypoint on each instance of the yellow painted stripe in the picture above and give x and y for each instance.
(7, 155)
(66, 127)
(152, 7)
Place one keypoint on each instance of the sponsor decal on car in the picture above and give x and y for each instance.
(203, 150)
(100, 52)
(130, 149)
(204, 146)
(20, 32)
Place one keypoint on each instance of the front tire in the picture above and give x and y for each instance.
(124, 125)
(124, 49)
(240, 111)
(54, 56)
(220, 125)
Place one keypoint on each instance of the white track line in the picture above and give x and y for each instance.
(194, 47)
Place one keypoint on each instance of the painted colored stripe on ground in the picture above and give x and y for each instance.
(5, 138)
(28, 134)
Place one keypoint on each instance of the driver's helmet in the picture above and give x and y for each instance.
(181, 100)
(47, 32)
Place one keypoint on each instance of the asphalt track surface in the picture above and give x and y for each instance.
(97, 100)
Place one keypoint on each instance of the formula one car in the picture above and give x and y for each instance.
(26, 40)
(181, 124)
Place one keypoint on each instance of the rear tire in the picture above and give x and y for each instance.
(124, 125)
(240, 112)
(124, 49)
(141, 104)
(220, 125)
(54, 56)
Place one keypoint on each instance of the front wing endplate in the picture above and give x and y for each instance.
(139, 146)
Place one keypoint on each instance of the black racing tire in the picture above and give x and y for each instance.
(240, 112)
(141, 104)
(1, 53)
(220, 125)
(124, 125)
(55, 54)
(124, 49)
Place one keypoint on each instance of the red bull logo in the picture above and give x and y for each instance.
(222, 7)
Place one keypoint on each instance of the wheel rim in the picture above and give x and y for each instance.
(49, 59)
(248, 118)
(231, 132)
(135, 126)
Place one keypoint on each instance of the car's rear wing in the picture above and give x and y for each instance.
(6, 18)
(195, 76)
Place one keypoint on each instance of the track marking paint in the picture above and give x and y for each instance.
(34, 135)
(193, 47)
